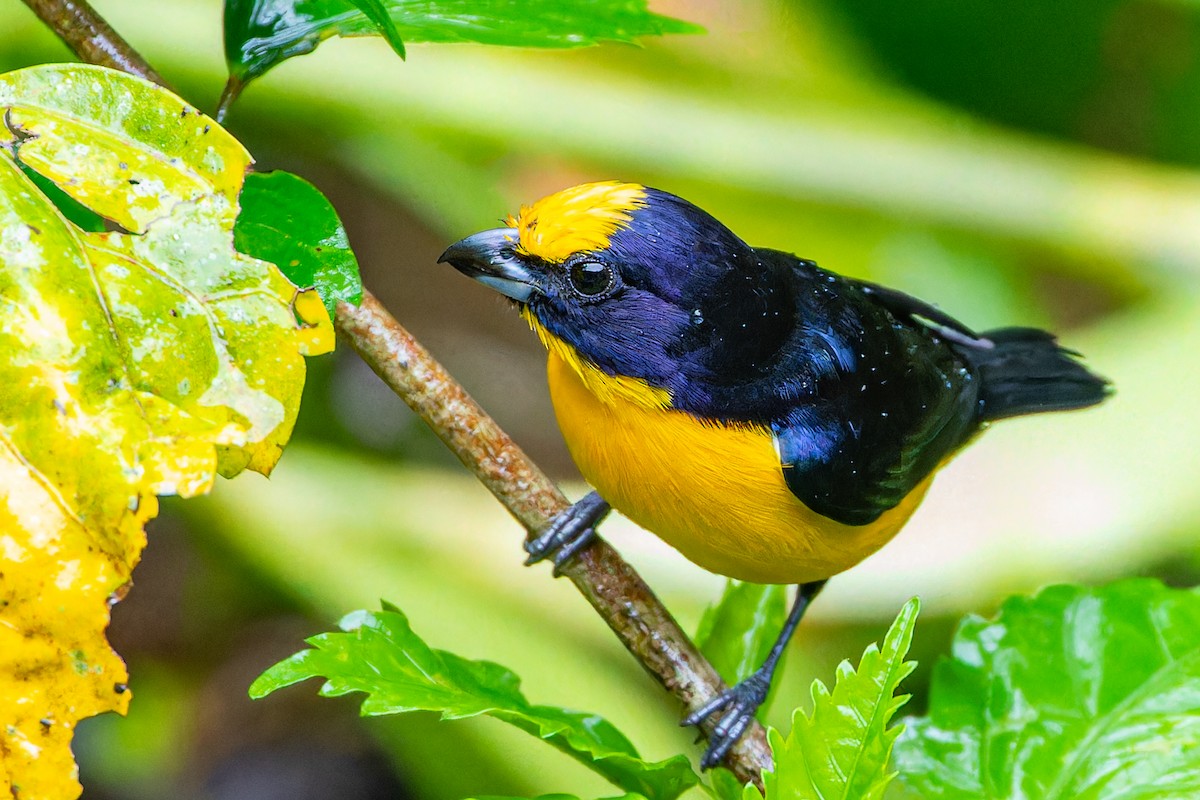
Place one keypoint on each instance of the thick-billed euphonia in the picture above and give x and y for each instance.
(771, 420)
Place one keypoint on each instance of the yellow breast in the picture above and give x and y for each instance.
(714, 492)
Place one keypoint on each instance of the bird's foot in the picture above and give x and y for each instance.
(568, 533)
(739, 705)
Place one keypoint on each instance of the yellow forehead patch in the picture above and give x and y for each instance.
(577, 219)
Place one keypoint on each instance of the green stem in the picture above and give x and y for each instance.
(610, 584)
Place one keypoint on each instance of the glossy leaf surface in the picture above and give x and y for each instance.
(286, 220)
(379, 15)
(261, 33)
(737, 633)
(135, 364)
(1074, 693)
(841, 749)
(76, 213)
(379, 654)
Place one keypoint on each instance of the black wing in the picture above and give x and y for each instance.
(889, 401)
(905, 306)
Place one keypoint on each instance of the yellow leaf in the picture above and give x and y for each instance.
(136, 363)
(316, 329)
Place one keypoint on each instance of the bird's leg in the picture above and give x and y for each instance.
(569, 532)
(742, 701)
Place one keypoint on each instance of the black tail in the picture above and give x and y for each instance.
(1027, 373)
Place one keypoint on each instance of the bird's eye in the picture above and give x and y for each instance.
(591, 278)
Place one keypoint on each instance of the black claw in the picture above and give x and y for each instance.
(716, 753)
(568, 533)
(709, 708)
(570, 549)
(734, 730)
(741, 702)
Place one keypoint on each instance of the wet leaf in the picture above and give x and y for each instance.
(842, 749)
(286, 220)
(379, 654)
(737, 633)
(136, 364)
(1074, 693)
(376, 11)
(78, 214)
(261, 33)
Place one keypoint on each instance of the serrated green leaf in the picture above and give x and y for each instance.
(737, 633)
(1080, 693)
(379, 654)
(286, 220)
(842, 749)
(724, 785)
(262, 33)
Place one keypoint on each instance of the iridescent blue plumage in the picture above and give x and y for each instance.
(864, 398)
(807, 412)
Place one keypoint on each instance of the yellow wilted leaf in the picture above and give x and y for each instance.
(135, 363)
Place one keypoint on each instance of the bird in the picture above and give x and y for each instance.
(771, 420)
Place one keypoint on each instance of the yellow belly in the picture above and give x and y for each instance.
(713, 492)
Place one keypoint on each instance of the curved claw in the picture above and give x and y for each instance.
(568, 533)
(708, 709)
(570, 549)
(742, 702)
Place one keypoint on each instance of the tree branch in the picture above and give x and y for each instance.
(611, 585)
(91, 38)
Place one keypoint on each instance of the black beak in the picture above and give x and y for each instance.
(490, 257)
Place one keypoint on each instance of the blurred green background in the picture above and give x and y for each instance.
(1015, 162)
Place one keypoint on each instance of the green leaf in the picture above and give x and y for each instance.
(262, 33)
(724, 785)
(376, 11)
(1075, 693)
(287, 221)
(379, 654)
(737, 633)
(552, 797)
(842, 749)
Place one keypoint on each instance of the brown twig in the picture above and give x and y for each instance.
(91, 38)
(611, 585)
